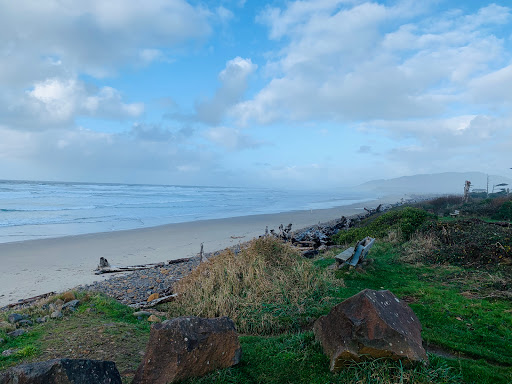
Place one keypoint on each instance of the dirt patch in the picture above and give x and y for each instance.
(90, 337)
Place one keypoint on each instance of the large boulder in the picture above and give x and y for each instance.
(187, 347)
(371, 324)
(63, 371)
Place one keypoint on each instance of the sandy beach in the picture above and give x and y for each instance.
(34, 267)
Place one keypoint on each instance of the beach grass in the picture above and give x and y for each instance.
(267, 288)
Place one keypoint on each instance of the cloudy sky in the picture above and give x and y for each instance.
(311, 93)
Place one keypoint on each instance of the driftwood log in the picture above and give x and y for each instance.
(30, 300)
(113, 269)
(152, 303)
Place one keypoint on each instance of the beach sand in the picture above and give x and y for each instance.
(35, 267)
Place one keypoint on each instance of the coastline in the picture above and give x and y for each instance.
(35, 267)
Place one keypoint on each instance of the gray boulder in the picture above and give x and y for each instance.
(16, 333)
(63, 371)
(14, 318)
(188, 347)
(370, 325)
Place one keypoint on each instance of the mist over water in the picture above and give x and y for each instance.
(34, 210)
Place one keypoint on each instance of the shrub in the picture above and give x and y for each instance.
(405, 221)
(266, 289)
(505, 211)
(442, 205)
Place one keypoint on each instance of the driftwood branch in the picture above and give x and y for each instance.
(152, 303)
(30, 299)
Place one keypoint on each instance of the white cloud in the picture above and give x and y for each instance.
(81, 154)
(231, 139)
(233, 78)
(354, 61)
(57, 102)
(48, 46)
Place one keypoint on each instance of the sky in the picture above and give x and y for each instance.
(285, 94)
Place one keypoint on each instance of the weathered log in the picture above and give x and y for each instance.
(117, 269)
(177, 261)
(152, 303)
(30, 300)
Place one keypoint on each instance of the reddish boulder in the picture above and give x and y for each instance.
(187, 347)
(371, 324)
(63, 371)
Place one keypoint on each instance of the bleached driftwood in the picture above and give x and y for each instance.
(116, 269)
(152, 303)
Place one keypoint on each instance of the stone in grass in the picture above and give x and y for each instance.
(14, 318)
(369, 325)
(63, 371)
(10, 352)
(142, 314)
(24, 323)
(56, 314)
(153, 296)
(187, 347)
(16, 333)
(154, 319)
(71, 305)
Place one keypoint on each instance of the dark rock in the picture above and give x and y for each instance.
(41, 320)
(187, 347)
(371, 324)
(24, 323)
(63, 371)
(17, 333)
(71, 305)
(310, 254)
(16, 317)
(2, 341)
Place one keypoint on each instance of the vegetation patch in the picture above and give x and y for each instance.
(298, 358)
(405, 222)
(267, 288)
(470, 242)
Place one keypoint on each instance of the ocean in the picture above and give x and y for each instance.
(35, 210)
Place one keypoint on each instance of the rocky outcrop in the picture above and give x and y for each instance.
(187, 347)
(63, 371)
(371, 324)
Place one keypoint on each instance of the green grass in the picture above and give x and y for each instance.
(297, 358)
(479, 328)
(101, 329)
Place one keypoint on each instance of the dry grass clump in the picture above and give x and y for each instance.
(419, 247)
(267, 288)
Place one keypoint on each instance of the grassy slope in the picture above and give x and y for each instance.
(475, 334)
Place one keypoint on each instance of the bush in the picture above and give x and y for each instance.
(267, 288)
(505, 212)
(442, 205)
(405, 221)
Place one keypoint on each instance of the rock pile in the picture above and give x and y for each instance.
(138, 286)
